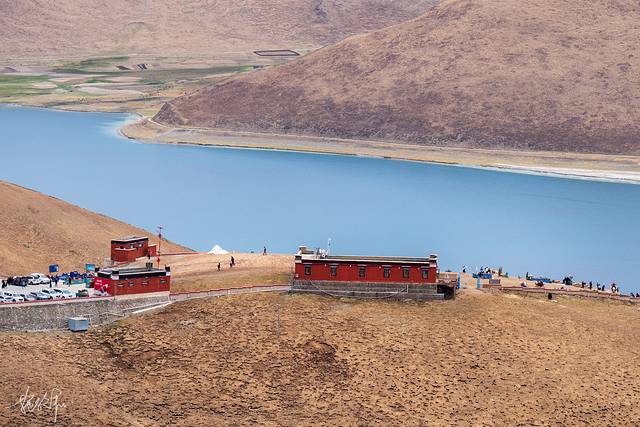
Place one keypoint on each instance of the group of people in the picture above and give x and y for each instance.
(232, 263)
(615, 289)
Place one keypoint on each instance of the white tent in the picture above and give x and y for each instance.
(217, 250)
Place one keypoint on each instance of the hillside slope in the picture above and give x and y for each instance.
(37, 230)
(276, 359)
(35, 28)
(545, 74)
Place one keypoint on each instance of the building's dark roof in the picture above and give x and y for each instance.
(355, 259)
(133, 272)
(129, 239)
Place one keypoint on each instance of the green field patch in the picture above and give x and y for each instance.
(90, 65)
(101, 62)
(19, 85)
(12, 79)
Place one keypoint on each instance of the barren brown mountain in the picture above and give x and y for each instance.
(541, 74)
(62, 28)
(37, 230)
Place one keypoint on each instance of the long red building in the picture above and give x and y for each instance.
(130, 248)
(138, 280)
(318, 272)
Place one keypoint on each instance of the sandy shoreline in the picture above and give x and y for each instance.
(598, 167)
(593, 167)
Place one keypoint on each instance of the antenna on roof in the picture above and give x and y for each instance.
(329, 246)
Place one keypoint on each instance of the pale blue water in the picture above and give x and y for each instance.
(244, 199)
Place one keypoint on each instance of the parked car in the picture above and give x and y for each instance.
(39, 279)
(52, 293)
(29, 297)
(20, 281)
(11, 296)
(82, 293)
(4, 299)
(64, 293)
(41, 296)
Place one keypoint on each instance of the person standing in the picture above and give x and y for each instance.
(233, 261)
(264, 250)
(218, 266)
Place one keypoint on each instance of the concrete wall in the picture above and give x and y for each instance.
(424, 292)
(42, 316)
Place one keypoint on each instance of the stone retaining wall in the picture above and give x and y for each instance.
(421, 292)
(43, 316)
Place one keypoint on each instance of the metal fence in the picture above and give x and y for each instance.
(182, 296)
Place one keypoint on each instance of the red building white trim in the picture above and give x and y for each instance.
(318, 266)
(138, 280)
(130, 248)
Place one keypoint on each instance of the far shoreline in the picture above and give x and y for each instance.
(619, 169)
(592, 167)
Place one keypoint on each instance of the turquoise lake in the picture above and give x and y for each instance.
(246, 199)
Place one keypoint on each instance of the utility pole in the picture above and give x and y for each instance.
(159, 243)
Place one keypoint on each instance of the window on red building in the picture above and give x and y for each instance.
(386, 272)
(307, 270)
(425, 273)
(334, 270)
(361, 270)
(405, 272)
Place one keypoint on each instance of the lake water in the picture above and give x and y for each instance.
(244, 199)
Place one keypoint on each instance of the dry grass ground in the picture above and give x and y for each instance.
(483, 359)
(200, 271)
(544, 75)
(66, 55)
(37, 230)
(189, 28)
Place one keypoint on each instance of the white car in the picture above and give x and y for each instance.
(29, 297)
(11, 297)
(64, 293)
(55, 294)
(39, 279)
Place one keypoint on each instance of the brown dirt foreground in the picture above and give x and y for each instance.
(484, 359)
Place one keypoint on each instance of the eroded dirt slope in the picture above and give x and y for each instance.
(276, 359)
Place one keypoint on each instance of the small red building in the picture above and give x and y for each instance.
(377, 276)
(130, 248)
(139, 280)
